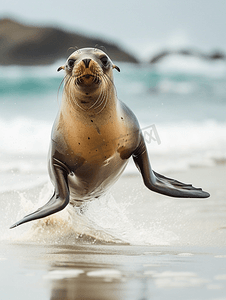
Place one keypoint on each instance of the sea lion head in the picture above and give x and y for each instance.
(89, 68)
(89, 79)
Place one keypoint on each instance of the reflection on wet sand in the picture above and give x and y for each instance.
(111, 272)
(90, 273)
(83, 287)
(127, 272)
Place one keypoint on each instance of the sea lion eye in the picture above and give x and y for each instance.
(71, 63)
(104, 60)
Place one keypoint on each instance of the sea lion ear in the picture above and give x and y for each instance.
(60, 68)
(115, 67)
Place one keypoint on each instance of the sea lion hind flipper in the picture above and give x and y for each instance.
(57, 202)
(161, 184)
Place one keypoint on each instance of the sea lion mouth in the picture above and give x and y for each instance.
(87, 76)
(88, 79)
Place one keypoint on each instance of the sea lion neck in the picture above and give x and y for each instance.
(94, 108)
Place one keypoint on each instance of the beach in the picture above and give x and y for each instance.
(167, 248)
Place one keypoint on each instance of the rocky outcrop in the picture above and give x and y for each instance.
(31, 45)
(187, 52)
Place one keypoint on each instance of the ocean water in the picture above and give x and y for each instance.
(132, 243)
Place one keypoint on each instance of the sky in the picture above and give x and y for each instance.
(142, 27)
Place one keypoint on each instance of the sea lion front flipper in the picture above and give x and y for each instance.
(59, 200)
(161, 184)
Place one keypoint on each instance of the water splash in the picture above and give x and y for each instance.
(101, 221)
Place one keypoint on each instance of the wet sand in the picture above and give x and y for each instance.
(191, 266)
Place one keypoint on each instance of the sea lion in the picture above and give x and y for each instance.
(93, 137)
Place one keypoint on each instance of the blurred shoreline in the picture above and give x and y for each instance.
(29, 45)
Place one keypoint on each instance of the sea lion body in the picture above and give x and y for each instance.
(94, 136)
(95, 153)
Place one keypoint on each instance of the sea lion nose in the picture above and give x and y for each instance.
(86, 62)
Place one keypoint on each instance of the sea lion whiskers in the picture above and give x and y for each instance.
(77, 75)
(111, 81)
(98, 99)
(67, 80)
(58, 91)
(75, 99)
(103, 102)
(106, 100)
(97, 76)
(70, 94)
(103, 94)
(101, 98)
